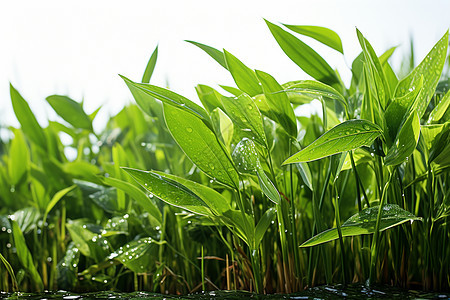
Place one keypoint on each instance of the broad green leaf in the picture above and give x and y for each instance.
(169, 97)
(232, 90)
(346, 136)
(405, 142)
(89, 243)
(315, 88)
(208, 97)
(201, 145)
(216, 201)
(430, 69)
(399, 110)
(247, 161)
(364, 223)
(376, 71)
(263, 225)
(322, 34)
(82, 170)
(138, 256)
(71, 111)
(55, 199)
(244, 113)
(278, 103)
(242, 225)
(144, 100)
(150, 66)
(437, 141)
(244, 77)
(19, 158)
(27, 218)
(303, 55)
(170, 191)
(305, 173)
(267, 186)
(217, 55)
(30, 125)
(67, 268)
(106, 198)
(438, 112)
(25, 257)
(137, 194)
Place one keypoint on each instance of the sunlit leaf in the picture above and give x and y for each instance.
(71, 111)
(322, 34)
(244, 77)
(305, 57)
(364, 223)
(150, 66)
(346, 136)
(217, 55)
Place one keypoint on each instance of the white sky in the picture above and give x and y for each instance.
(77, 48)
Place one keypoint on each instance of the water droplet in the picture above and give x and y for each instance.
(366, 127)
(189, 129)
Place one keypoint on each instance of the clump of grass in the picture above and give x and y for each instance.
(238, 193)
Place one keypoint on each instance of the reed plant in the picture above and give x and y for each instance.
(240, 192)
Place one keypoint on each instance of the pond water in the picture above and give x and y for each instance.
(353, 291)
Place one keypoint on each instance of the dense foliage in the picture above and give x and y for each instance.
(241, 192)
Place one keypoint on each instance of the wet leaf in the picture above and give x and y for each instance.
(55, 199)
(67, 268)
(201, 145)
(438, 112)
(364, 223)
(263, 225)
(244, 113)
(430, 69)
(138, 256)
(405, 142)
(170, 191)
(346, 136)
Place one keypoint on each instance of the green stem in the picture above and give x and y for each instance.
(375, 241)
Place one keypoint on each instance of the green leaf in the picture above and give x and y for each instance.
(25, 257)
(346, 136)
(19, 158)
(201, 145)
(67, 268)
(208, 97)
(217, 55)
(315, 88)
(303, 55)
(150, 66)
(216, 201)
(305, 173)
(30, 126)
(322, 34)
(263, 225)
(170, 191)
(247, 161)
(135, 193)
(71, 111)
(244, 113)
(405, 142)
(89, 243)
(278, 103)
(10, 270)
(376, 72)
(244, 77)
(399, 110)
(438, 112)
(364, 223)
(138, 256)
(430, 69)
(169, 97)
(55, 199)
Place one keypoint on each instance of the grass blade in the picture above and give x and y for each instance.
(71, 111)
(150, 66)
(346, 136)
(322, 34)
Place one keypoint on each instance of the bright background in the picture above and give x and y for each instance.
(77, 48)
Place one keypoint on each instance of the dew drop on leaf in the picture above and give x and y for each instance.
(189, 129)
